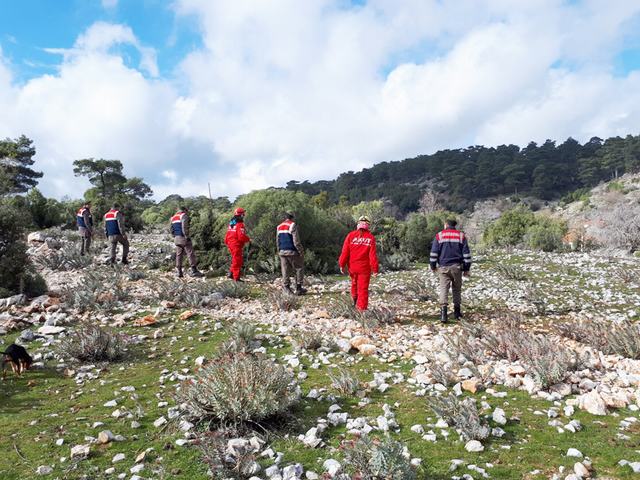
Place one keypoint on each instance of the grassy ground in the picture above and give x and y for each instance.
(45, 405)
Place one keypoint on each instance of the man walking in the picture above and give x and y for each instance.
(180, 231)
(451, 258)
(360, 256)
(84, 220)
(115, 232)
(291, 254)
(235, 240)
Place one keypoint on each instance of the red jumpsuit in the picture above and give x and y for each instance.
(359, 254)
(235, 239)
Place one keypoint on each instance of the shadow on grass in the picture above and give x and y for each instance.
(15, 392)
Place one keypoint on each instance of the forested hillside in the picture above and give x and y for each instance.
(461, 177)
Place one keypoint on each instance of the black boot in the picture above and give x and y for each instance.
(179, 270)
(444, 317)
(194, 272)
(125, 261)
(300, 290)
(230, 275)
(287, 288)
(457, 312)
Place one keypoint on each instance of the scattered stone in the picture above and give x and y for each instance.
(473, 446)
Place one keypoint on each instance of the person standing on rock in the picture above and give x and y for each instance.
(115, 232)
(291, 254)
(360, 256)
(451, 259)
(84, 219)
(235, 240)
(180, 231)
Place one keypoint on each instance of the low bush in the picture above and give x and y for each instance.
(463, 414)
(242, 338)
(442, 374)
(91, 343)
(283, 300)
(416, 288)
(372, 459)
(227, 463)
(608, 337)
(239, 388)
(344, 382)
(308, 339)
(503, 340)
(231, 289)
(511, 272)
(64, 259)
(547, 362)
(376, 316)
(395, 262)
(33, 285)
(98, 290)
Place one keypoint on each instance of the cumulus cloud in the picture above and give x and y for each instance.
(285, 90)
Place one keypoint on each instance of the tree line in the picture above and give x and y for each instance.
(460, 177)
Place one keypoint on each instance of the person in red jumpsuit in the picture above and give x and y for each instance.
(359, 255)
(235, 239)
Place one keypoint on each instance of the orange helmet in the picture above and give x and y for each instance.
(239, 211)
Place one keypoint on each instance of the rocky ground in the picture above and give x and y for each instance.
(549, 353)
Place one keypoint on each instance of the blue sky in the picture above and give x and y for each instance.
(250, 94)
(30, 26)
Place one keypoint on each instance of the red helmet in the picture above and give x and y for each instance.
(238, 211)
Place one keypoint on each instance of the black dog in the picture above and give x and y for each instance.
(18, 357)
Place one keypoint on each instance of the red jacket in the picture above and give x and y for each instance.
(236, 235)
(359, 252)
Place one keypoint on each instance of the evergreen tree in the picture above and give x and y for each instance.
(16, 159)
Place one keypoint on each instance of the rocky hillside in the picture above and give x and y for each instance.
(542, 380)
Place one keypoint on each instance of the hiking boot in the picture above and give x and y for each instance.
(194, 272)
(457, 312)
(230, 275)
(444, 317)
(125, 261)
(287, 288)
(300, 290)
(179, 271)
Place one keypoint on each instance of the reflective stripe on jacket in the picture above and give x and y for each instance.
(176, 225)
(450, 247)
(80, 218)
(285, 236)
(111, 224)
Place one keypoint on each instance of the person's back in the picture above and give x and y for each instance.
(451, 258)
(180, 229)
(114, 229)
(291, 254)
(235, 240)
(84, 221)
(360, 256)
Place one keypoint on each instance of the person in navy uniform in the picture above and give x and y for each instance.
(451, 259)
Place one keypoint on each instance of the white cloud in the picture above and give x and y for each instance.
(109, 4)
(286, 89)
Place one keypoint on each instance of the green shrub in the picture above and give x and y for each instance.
(14, 261)
(420, 230)
(615, 186)
(33, 285)
(545, 234)
(510, 228)
(239, 388)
